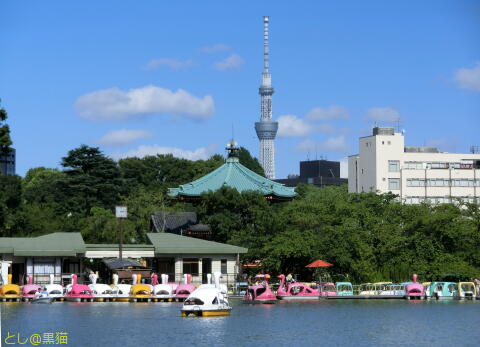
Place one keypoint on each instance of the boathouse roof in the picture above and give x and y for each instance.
(72, 245)
(234, 175)
(167, 243)
(55, 244)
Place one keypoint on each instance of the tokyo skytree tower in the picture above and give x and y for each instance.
(266, 129)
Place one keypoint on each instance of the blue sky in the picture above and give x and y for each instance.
(148, 77)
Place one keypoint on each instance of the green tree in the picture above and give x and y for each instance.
(91, 180)
(40, 185)
(250, 162)
(10, 203)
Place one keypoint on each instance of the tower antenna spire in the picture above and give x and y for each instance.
(267, 128)
(265, 43)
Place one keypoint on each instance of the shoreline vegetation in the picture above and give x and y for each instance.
(368, 237)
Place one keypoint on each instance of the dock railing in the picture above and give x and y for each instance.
(235, 285)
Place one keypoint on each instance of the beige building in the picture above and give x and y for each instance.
(385, 164)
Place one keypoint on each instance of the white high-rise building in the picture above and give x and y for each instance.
(267, 128)
(385, 164)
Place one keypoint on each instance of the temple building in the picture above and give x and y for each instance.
(234, 175)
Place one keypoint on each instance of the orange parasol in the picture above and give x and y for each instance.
(319, 263)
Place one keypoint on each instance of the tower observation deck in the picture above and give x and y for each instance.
(267, 128)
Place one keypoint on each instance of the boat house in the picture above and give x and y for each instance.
(63, 254)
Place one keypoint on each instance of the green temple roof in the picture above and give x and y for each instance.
(234, 175)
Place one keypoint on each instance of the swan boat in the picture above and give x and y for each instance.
(10, 291)
(296, 291)
(120, 292)
(140, 291)
(78, 292)
(163, 291)
(208, 300)
(185, 289)
(414, 290)
(100, 291)
(54, 291)
(29, 290)
(260, 293)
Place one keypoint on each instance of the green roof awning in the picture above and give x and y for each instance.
(167, 243)
(55, 244)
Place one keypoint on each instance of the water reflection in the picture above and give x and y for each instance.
(342, 322)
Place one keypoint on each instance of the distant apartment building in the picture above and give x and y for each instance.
(415, 174)
(7, 163)
(317, 172)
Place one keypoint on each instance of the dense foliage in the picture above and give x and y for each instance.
(367, 237)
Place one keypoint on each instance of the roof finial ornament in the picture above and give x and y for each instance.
(232, 149)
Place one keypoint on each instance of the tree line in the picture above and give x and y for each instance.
(368, 237)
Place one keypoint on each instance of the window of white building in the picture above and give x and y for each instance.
(394, 183)
(415, 182)
(413, 165)
(393, 166)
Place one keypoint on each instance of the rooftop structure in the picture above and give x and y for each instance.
(180, 223)
(317, 172)
(267, 128)
(416, 174)
(7, 163)
(235, 175)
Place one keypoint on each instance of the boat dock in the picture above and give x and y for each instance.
(360, 297)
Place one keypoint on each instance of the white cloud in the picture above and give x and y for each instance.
(116, 105)
(173, 64)
(291, 126)
(201, 153)
(233, 61)
(219, 47)
(469, 78)
(307, 146)
(325, 128)
(331, 112)
(333, 144)
(122, 137)
(382, 114)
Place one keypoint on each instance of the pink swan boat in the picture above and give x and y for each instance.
(296, 291)
(29, 290)
(185, 289)
(260, 293)
(78, 292)
(414, 290)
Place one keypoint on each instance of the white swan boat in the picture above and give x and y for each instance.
(163, 291)
(120, 292)
(54, 291)
(208, 300)
(100, 291)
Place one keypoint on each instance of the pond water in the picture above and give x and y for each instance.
(326, 322)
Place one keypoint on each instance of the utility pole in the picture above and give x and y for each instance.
(121, 214)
